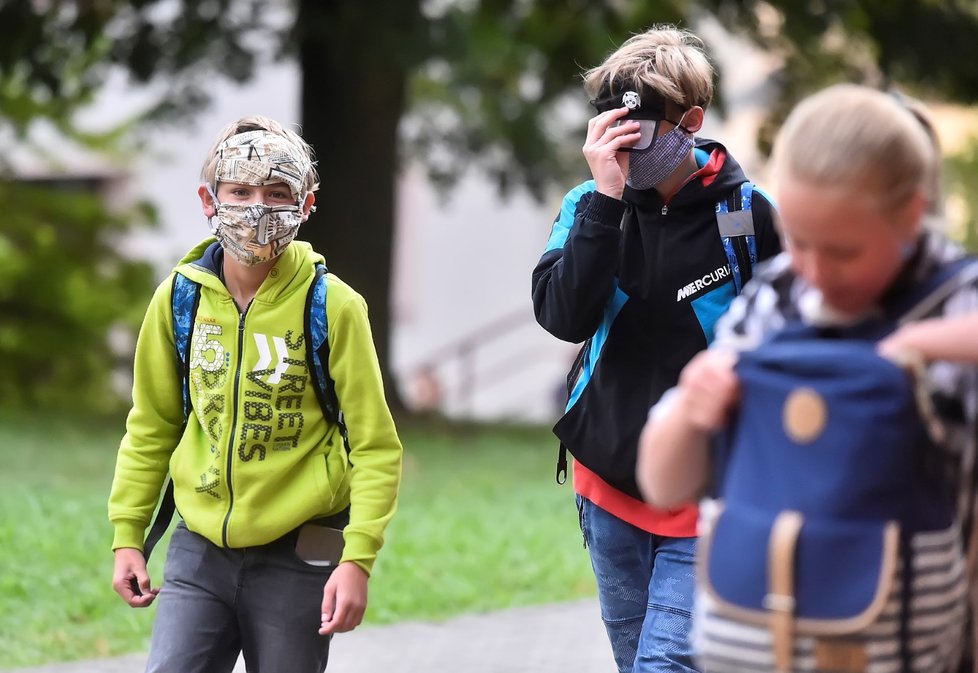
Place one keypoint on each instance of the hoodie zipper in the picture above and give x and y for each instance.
(234, 422)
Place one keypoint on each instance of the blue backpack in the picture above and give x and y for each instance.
(833, 544)
(185, 297)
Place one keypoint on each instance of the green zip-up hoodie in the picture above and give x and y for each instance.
(257, 458)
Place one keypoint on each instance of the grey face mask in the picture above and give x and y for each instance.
(649, 168)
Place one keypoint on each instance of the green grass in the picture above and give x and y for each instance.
(481, 525)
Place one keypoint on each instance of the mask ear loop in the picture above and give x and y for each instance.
(217, 204)
(679, 124)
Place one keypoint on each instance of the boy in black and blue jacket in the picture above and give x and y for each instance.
(641, 262)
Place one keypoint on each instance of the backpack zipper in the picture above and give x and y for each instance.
(234, 422)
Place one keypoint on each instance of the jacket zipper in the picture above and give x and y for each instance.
(667, 199)
(234, 423)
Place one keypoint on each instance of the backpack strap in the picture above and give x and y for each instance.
(572, 375)
(932, 292)
(317, 353)
(184, 300)
(735, 223)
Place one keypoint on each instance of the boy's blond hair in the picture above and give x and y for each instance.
(859, 139)
(259, 123)
(665, 59)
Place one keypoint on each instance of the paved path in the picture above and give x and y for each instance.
(561, 638)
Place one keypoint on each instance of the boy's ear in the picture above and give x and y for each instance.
(307, 204)
(693, 121)
(207, 201)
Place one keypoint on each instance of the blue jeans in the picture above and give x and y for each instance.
(645, 588)
(264, 602)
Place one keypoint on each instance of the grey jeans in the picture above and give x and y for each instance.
(215, 603)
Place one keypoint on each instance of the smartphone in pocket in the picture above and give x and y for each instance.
(319, 545)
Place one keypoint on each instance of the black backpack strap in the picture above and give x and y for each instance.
(572, 375)
(933, 291)
(562, 464)
(317, 353)
(162, 521)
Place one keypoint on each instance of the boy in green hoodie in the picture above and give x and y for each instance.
(262, 478)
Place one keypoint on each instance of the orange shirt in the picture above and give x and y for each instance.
(680, 522)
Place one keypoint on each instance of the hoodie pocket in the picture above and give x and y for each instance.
(332, 470)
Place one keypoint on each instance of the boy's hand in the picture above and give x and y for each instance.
(130, 569)
(344, 599)
(609, 166)
(708, 389)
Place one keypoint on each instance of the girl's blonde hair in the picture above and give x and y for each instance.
(860, 139)
(923, 117)
(665, 59)
(259, 123)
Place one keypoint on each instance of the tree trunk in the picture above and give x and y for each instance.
(355, 59)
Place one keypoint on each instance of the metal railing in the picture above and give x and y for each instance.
(460, 374)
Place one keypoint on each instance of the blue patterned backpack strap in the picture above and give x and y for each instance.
(317, 352)
(735, 223)
(184, 300)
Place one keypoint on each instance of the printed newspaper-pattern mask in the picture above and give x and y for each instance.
(256, 233)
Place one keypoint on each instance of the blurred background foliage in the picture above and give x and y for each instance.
(461, 84)
(65, 286)
(962, 178)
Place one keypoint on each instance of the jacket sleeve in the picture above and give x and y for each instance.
(375, 450)
(575, 277)
(153, 427)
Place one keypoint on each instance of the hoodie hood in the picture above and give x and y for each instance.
(292, 270)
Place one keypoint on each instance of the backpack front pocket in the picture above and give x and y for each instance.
(796, 577)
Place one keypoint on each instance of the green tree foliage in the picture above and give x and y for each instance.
(961, 173)
(461, 83)
(917, 45)
(55, 55)
(490, 92)
(64, 284)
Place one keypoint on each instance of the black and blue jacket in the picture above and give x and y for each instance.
(642, 281)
